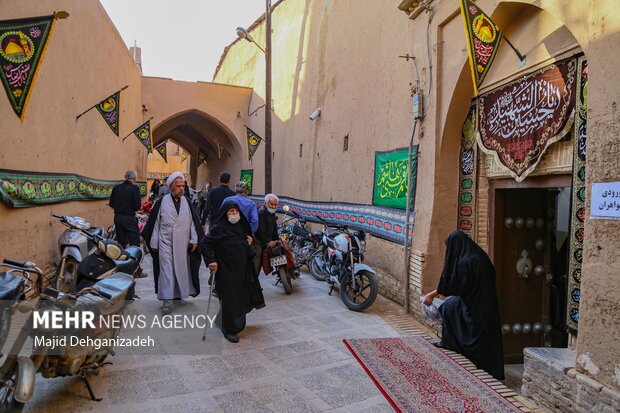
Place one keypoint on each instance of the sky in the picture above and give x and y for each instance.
(181, 39)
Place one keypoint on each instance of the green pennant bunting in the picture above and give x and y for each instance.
(161, 149)
(22, 46)
(253, 141)
(144, 135)
(247, 176)
(109, 109)
(483, 39)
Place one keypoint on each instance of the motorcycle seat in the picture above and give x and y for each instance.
(118, 286)
(11, 287)
(128, 266)
(316, 234)
(131, 252)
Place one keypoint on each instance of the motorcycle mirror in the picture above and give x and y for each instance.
(25, 306)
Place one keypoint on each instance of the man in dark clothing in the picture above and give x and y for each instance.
(267, 233)
(125, 200)
(215, 198)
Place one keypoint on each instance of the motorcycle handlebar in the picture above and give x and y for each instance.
(14, 263)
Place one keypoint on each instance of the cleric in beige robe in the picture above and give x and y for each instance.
(172, 234)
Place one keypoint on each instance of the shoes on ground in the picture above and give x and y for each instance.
(140, 274)
(167, 307)
(233, 338)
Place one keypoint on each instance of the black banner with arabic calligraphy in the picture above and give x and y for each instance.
(253, 141)
(390, 182)
(483, 39)
(144, 135)
(109, 109)
(22, 44)
(520, 120)
(161, 149)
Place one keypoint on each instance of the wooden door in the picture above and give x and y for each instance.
(522, 261)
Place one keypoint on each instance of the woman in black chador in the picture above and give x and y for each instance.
(227, 251)
(471, 324)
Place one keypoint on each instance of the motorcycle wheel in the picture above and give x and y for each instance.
(361, 297)
(67, 278)
(285, 279)
(315, 269)
(7, 393)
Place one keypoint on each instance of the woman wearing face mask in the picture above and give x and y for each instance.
(227, 252)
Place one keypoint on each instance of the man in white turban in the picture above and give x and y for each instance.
(172, 233)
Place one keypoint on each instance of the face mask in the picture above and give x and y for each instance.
(271, 210)
(233, 219)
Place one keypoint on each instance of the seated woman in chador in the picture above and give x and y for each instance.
(471, 323)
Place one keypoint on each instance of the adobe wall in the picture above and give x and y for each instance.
(86, 61)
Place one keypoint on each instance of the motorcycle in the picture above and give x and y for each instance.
(75, 244)
(17, 374)
(303, 243)
(104, 259)
(341, 262)
(282, 267)
(12, 289)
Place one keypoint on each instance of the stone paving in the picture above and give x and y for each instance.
(290, 359)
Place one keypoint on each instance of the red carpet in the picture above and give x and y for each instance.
(415, 377)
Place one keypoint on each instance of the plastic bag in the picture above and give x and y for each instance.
(432, 311)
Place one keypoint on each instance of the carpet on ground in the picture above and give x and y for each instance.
(417, 377)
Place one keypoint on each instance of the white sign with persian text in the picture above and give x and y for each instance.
(605, 200)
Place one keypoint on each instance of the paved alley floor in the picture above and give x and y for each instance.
(290, 358)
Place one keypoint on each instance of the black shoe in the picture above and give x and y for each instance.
(140, 274)
(214, 294)
(233, 338)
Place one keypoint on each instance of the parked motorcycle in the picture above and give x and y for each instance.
(283, 266)
(303, 243)
(75, 244)
(341, 262)
(17, 374)
(104, 259)
(12, 289)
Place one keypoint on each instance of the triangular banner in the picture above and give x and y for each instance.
(183, 157)
(161, 149)
(202, 157)
(219, 150)
(144, 135)
(253, 141)
(109, 109)
(483, 39)
(22, 46)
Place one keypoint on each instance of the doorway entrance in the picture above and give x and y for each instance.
(529, 230)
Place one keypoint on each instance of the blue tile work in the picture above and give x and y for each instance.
(386, 223)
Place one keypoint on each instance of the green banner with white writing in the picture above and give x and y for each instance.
(247, 176)
(390, 182)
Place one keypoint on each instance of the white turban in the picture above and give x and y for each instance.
(174, 176)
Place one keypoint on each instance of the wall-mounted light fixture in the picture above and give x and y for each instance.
(315, 114)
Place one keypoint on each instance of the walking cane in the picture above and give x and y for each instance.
(212, 276)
